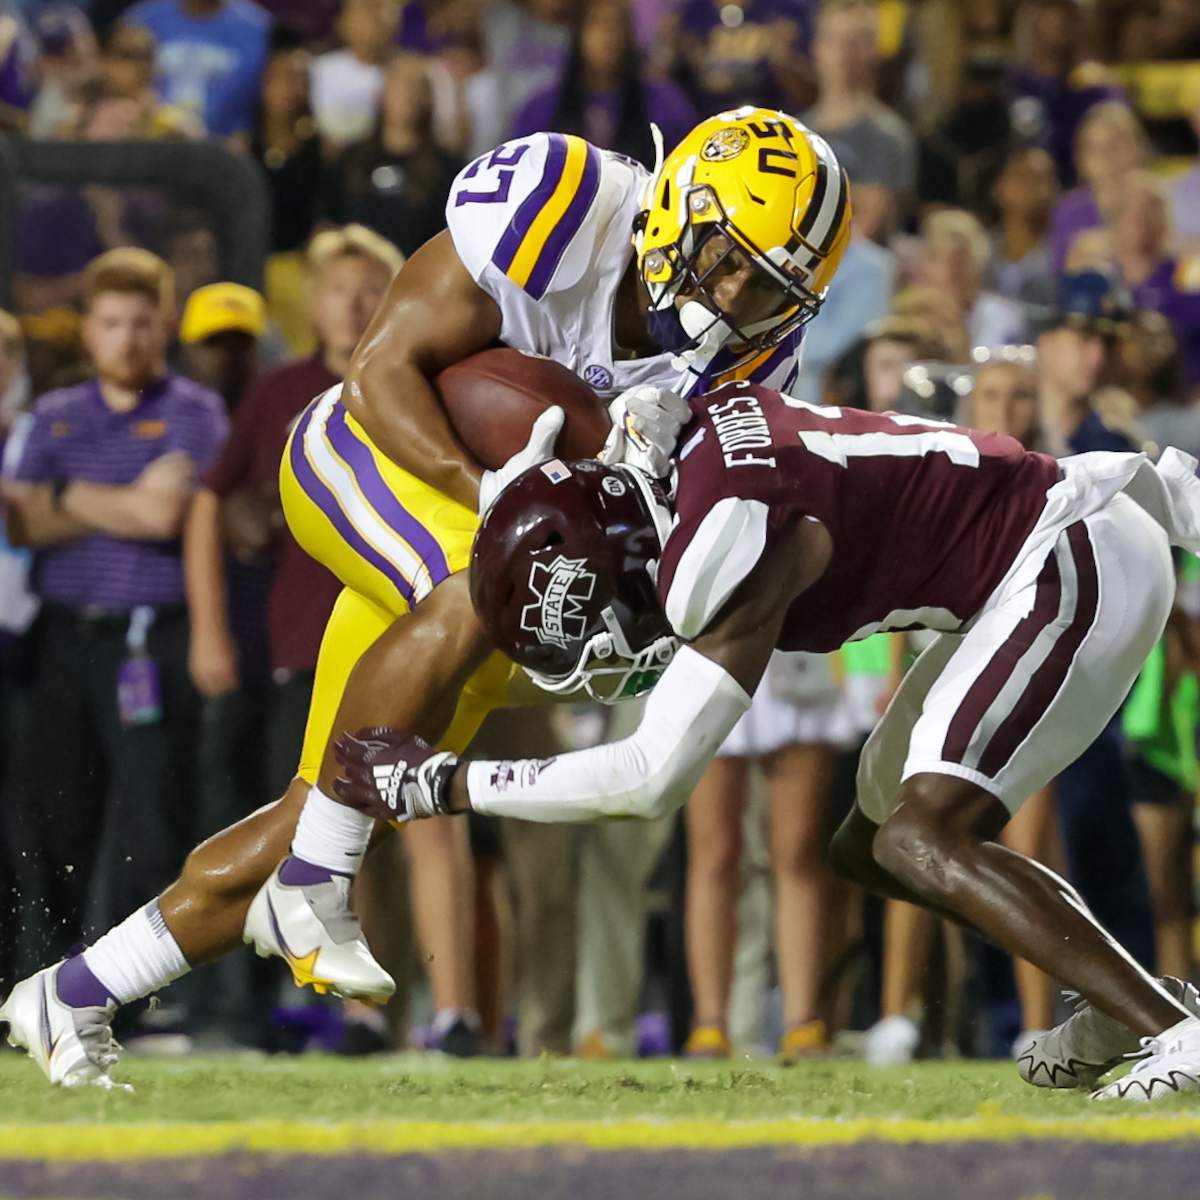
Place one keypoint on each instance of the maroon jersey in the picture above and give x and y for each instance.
(925, 517)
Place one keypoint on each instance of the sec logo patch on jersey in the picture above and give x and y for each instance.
(597, 376)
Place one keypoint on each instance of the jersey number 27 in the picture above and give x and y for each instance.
(505, 156)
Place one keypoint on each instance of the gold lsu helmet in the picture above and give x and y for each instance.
(773, 188)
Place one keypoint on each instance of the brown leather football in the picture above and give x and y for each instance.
(493, 398)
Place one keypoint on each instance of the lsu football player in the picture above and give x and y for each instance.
(652, 286)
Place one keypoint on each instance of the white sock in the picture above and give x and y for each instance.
(137, 957)
(331, 835)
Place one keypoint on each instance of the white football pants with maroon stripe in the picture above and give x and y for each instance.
(1044, 666)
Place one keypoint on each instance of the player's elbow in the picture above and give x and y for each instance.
(376, 381)
(655, 805)
(360, 384)
(660, 794)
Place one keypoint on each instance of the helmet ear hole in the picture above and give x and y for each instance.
(553, 538)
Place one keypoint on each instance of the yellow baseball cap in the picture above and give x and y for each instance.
(220, 308)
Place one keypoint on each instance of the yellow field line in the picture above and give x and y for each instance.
(67, 1141)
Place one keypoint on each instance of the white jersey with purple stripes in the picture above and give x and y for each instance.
(544, 225)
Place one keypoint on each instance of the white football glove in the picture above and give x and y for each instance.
(539, 448)
(646, 423)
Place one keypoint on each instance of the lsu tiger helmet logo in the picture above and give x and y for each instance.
(778, 194)
(725, 144)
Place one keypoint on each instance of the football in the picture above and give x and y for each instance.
(493, 398)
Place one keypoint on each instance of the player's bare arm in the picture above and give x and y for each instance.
(434, 315)
(743, 637)
(435, 650)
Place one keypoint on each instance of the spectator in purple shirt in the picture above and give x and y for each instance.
(1185, 196)
(68, 65)
(98, 487)
(1053, 84)
(604, 95)
(731, 52)
(1108, 146)
(18, 73)
(1156, 279)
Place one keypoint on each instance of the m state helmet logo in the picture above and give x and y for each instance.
(724, 144)
(562, 588)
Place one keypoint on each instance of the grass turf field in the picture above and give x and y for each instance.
(288, 1127)
(414, 1087)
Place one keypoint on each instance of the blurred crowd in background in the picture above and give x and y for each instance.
(1026, 258)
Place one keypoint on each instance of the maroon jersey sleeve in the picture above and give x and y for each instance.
(925, 517)
(730, 493)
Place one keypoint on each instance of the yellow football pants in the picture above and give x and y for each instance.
(390, 538)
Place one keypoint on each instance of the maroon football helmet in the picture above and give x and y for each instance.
(562, 577)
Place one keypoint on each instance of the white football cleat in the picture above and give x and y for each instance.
(73, 1046)
(302, 914)
(1023, 1039)
(1171, 1064)
(1087, 1044)
(891, 1042)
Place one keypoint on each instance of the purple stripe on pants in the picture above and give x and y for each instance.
(382, 499)
(510, 241)
(325, 500)
(567, 227)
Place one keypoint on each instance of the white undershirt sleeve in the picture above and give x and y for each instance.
(648, 774)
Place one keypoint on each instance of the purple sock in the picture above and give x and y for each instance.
(295, 872)
(78, 987)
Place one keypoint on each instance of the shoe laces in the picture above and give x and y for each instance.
(1155, 1047)
(330, 903)
(93, 1028)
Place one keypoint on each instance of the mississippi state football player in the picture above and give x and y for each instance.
(651, 287)
(801, 528)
